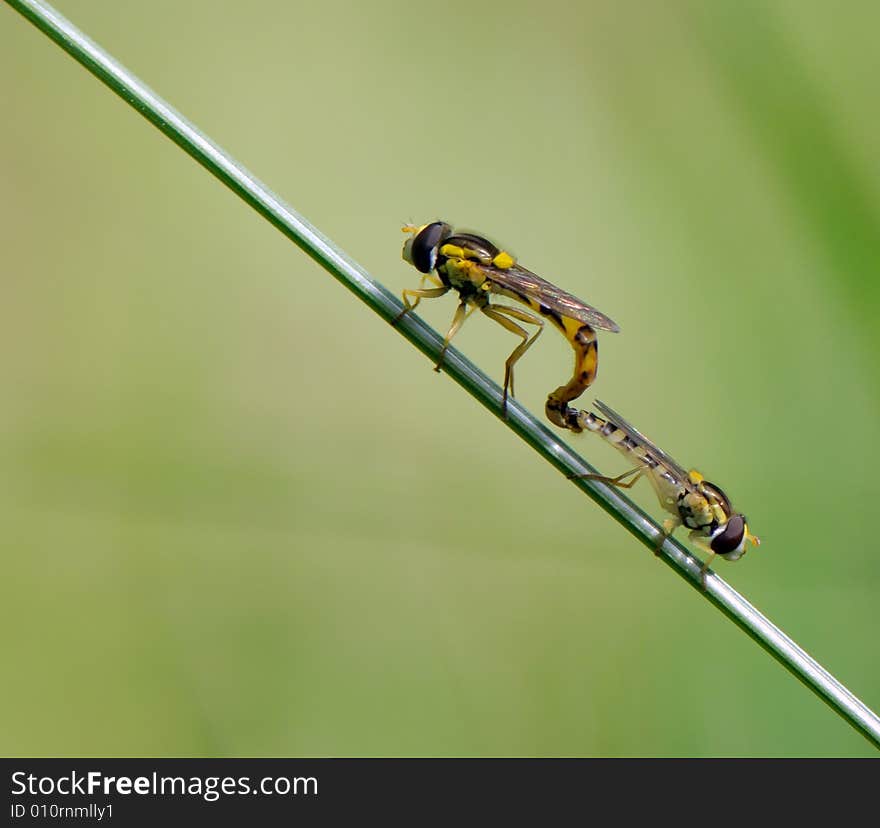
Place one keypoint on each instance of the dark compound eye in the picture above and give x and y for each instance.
(425, 244)
(730, 539)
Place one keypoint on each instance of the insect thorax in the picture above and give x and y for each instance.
(456, 274)
(696, 512)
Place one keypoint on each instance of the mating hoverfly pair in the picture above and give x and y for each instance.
(476, 269)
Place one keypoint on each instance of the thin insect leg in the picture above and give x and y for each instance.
(461, 313)
(419, 293)
(699, 540)
(669, 526)
(524, 316)
(519, 313)
(426, 277)
(499, 313)
(471, 309)
(432, 279)
(617, 482)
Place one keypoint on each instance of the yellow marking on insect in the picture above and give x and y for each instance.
(504, 260)
(454, 251)
(470, 271)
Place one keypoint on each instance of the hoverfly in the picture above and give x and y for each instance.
(476, 268)
(694, 502)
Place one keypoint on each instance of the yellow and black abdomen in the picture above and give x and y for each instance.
(585, 343)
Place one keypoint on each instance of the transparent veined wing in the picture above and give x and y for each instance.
(520, 280)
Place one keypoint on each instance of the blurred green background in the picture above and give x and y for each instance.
(242, 516)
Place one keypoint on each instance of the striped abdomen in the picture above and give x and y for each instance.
(617, 438)
(586, 363)
(665, 482)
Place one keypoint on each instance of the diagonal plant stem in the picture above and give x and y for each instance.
(521, 421)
